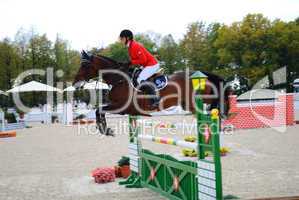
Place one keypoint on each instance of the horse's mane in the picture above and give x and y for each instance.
(107, 58)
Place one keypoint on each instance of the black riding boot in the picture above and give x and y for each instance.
(149, 89)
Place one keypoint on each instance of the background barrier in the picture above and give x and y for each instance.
(261, 114)
(10, 126)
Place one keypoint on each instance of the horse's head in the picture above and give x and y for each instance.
(91, 65)
(86, 71)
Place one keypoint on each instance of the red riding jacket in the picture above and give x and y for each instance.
(140, 56)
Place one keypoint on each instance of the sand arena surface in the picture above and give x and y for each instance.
(55, 161)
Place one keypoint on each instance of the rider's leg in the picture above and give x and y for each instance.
(148, 87)
(147, 72)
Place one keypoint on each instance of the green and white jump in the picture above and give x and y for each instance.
(173, 178)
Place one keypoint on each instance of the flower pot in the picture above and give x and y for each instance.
(125, 171)
(117, 171)
(103, 175)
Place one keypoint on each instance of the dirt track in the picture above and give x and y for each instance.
(54, 162)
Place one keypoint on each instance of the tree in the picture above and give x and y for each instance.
(40, 52)
(8, 63)
(284, 48)
(211, 59)
(21, 43)
(65, 59)
(242, 47)
(169, 54)
(116, 51)
(73, 65)
(194, 45)
(9, 60)
(61, 54)
(119, 52)
(147, 42)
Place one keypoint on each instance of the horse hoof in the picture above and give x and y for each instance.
(109, 132)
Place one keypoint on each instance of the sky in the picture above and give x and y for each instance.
(96, 23)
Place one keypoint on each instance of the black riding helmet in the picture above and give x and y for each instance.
(126, 34)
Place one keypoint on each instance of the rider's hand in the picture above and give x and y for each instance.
(128, 63)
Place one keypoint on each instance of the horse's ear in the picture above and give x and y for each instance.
(85, 56)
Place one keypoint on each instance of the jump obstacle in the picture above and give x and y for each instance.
(173, 178)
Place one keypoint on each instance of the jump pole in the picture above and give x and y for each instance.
(169, 141)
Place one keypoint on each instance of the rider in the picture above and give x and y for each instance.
(140, 56)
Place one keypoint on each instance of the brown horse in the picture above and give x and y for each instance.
(125, 99)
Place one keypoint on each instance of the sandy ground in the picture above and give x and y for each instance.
(54, 162)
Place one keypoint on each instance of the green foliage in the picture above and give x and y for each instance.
(8, 63)
(147, 42)
(170, 55)
(124, 161)
(243, 42)
(116, 51)
(119, 52)
(10, 117)
(255, 47)
(252, 49)
(30, 50)
(194, 44)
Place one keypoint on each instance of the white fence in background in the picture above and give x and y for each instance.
(38, 117)
(67, 116)
(10, 126)
(43, 115)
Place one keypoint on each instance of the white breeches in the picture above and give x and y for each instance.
(147, 72)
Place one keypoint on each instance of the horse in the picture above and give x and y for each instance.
(124, 98)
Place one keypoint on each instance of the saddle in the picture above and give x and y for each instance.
(159, 79)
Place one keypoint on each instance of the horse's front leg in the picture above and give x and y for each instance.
(102, 123)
